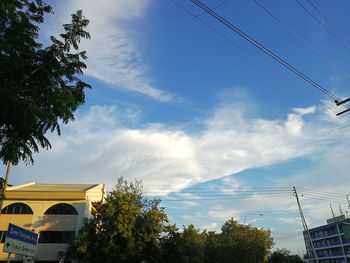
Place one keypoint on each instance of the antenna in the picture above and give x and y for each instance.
(332, 210)
(341, 212)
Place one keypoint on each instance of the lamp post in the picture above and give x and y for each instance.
(257, 214)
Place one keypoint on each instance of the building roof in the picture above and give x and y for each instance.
(324, 227)
(34, 191)
(30, 187)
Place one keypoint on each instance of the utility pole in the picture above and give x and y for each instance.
(304, 223)
(5, 185)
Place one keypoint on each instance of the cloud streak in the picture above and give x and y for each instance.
(114, 51)
(100, 147)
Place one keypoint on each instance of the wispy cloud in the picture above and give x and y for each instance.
(100, 147)
(114, 50)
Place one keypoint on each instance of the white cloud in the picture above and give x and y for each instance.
(114, 50)
(212, 227)
(99, 147)
(305, 111)
(295, 121)
(290, 220)
(219, 212)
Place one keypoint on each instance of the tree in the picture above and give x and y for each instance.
(187, 246)
(243, 243)
(211, 248)
(236, 243)
(126, 227)
(39, 87)
(283, 256)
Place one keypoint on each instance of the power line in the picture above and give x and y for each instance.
(206, 24)
(319, 22)
(323, 199)
(306, 189)
(302, 40)
(325, 17)
(265, 50)
(216, 7)
(220, 198)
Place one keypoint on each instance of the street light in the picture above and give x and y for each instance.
(256, 214)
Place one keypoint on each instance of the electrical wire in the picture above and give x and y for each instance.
(265, 50)
(206, 24)
(323, 199)
(325, 17)
(216, 7)
(319, 22)
(303, 41)
(321, 192)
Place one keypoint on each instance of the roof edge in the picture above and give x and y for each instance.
(19, 186)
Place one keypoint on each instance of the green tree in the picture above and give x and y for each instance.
(283, 256)
(243, 243)
(236, 243)
(39, 87)
(211, 248)
(187, 246)
(126, 227)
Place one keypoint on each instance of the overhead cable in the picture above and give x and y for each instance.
(325, 17)
(206, 24)
(302, 40)
(265, 50)
(322, 25)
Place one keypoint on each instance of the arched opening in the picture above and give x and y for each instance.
(61, 209)
(17, 208)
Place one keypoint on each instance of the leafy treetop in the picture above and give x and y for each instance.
(39, 87)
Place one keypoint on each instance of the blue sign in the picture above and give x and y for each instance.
(22, 234)
(20, 241)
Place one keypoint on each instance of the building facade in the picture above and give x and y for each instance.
(54, 211)
(329, 242)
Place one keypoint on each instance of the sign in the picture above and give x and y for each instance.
(336, 219)
(20, 241)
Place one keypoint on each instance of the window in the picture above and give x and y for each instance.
(61, 209)
(17, 208)
(2, 236)
(56, 236)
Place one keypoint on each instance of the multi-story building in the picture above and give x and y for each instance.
(54, 211)
(329, 242)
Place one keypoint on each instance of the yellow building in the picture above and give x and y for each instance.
(54, 211)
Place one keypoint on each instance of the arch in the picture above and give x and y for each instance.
(17, 208)
(61, 209)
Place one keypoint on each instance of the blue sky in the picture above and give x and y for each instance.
(193, 113)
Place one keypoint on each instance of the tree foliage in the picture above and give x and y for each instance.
(243, 243)
(187, 246)
(283, 256)
(39, 87)
(127, 227)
